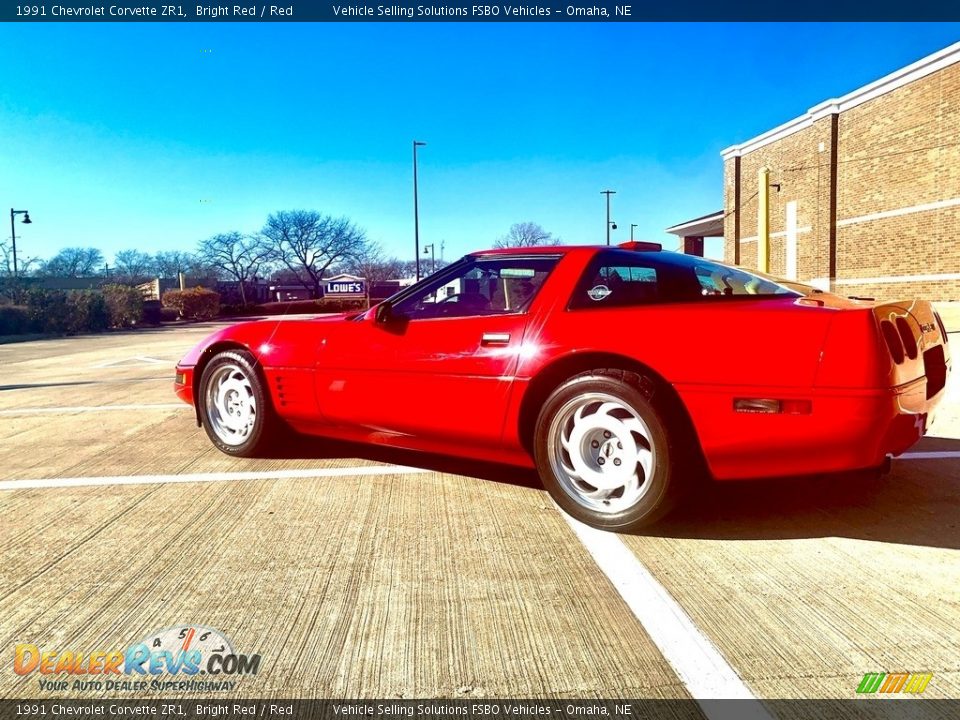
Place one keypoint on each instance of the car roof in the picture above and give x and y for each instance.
(538, 250)
(564, 249)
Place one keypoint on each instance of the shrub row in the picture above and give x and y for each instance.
(78, 311)
(15, 320)
(325, 305)
(193, 303)
(125, 304)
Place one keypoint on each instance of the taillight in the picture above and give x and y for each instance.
(943, 329)
(894, 343)
(909, 341)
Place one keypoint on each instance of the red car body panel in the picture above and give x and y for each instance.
(436, 385)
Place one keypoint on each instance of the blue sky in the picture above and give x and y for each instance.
(154, 136)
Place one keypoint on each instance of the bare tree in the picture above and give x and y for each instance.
(427, 267)
(372, 264)
(308, 243)
(526, 234)
(170, 263)
(236, 255)
(132, 266)
(74, 262)
(24, 264)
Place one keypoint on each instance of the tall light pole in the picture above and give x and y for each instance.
(13, 233)
(632, 226)
(433, 257)
(608, 193)
(416, 209)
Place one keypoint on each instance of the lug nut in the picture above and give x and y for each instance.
(601, 461)
(606, 434)
(594, 444)
(616, 461)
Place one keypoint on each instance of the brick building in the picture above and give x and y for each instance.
(864, 190)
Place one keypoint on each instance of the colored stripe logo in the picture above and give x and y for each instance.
(913, 683)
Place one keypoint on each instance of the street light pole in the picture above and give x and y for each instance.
(416, 209)
(632, 226)
(608, 193)
(433, 257)
(13, 239)
(13, 233)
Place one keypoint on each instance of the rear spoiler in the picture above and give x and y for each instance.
(641, 246)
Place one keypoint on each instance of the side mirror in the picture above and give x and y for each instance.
(384, 312)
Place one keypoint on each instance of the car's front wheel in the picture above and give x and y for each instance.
(234, 406)
(603, 452)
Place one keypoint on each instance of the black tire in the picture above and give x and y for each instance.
(239, 369)
(643, 500)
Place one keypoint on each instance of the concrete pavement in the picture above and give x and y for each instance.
(354, 576)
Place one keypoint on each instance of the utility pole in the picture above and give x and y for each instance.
(608, 193)
(632, 226)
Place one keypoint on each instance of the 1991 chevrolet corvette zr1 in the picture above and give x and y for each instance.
(618, 372)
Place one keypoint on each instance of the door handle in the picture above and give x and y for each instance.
(494, 338)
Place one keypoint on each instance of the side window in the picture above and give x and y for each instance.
(617, 283)
(481, 286)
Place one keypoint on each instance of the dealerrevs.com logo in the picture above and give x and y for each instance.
(910, 683)
(187, 658)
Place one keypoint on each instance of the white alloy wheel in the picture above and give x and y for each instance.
(601, 452)
(230, 404)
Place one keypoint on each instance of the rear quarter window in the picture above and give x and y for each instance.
(625, 278)
(616, 285)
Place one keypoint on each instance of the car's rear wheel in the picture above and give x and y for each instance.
(234, 406)
(603, 452)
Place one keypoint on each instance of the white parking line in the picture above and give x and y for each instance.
(94, 408)
(306, 474)
(698, 663)
(952, 455)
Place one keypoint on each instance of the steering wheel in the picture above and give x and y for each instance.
(472, 301)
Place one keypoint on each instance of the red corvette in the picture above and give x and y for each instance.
(618, 372)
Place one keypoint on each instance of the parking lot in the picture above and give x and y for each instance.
(357, 572)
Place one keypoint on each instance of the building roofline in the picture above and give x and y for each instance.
(905, 75)
(712, 217)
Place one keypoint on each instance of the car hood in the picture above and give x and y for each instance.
(264, 338)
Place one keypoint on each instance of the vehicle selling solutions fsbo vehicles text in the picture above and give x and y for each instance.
(440, 11)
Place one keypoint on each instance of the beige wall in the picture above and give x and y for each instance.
(895, 152)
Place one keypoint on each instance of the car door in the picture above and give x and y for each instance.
(442, 365)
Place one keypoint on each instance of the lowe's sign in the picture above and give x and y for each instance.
(345, 286)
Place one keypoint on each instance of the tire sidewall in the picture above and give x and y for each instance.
(246, 361)
(656, 501)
